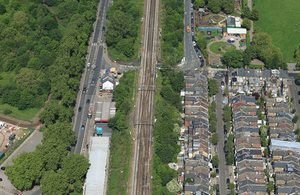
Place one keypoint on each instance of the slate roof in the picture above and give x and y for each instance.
(288, 190)
(250, 129)
(241, 72)
(267, 73)
(284, 74)
(250, 186)
(258, 73)
(249, 73)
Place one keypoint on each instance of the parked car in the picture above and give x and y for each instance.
(88, 101)
(222, 82)
(192, 20)
(82, 127)
(197, 51)
(217, 171)
(79, 109)
(228, 180)
(0, 179)
(202, 63)
(103, 28)
(84, 89)
(3, 168)
(216, 148)
(191, 5)
(194, 43)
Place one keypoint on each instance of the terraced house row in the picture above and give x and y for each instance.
(197, 135)
(249, 161)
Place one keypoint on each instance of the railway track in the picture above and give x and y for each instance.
(144, 116)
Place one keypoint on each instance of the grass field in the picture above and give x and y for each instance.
(279, 18)
(215, 46)
(25, 115)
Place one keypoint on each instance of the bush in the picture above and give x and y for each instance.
(7, 111)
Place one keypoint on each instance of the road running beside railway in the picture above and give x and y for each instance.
(144, 114)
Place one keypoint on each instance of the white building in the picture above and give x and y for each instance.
(97, 173)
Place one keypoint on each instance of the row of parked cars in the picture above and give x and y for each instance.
(193, 36)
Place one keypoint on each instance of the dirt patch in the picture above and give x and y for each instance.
(6, 131)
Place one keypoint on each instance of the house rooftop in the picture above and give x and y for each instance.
(249, 72)
(267, 73)
(241, 72)
(258, 73)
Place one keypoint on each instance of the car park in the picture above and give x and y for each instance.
(88, 101)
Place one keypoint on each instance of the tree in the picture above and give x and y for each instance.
(198, 4)
(255, 14)
(213, 106)
(201, 41)
(270, 187)
(297, 131)
(34, 63)
(54, 183)
(297, 53)
(232, 192)
(246, 12)
(249, 54)
(215, 138)
(213, 174)
(215, 161)
(233, 58)
(226, 91)
(293, 111)
(214, 6)
(2, 9)
(75, 167)
(228, 126)
(176, 80)
(212, 87)
(246, 23)
(213, 126)
(7, 111)
(298, 78)
(230, 159)
(256, 29)
(295, 119)
(78, 187)
(228, 6)
(231, 186)
(23, 174)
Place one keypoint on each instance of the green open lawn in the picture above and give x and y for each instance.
(215, 46)
(279, 18)
(25, 115)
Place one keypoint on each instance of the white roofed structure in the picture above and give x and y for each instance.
(236, 31)
(96, 175)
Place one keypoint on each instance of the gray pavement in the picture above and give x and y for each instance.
(27, 146)
(95, 56)
(251, 29)
(221, 154)
(191, 59)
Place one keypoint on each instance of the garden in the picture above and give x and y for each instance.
(221, 47)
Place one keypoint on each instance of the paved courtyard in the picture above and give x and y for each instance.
(6, 188)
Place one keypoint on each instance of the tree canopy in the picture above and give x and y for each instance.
(246, 23)
(233, 58)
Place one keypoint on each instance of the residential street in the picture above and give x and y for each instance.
(294, 90)
(220, 131)
(191, 59)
